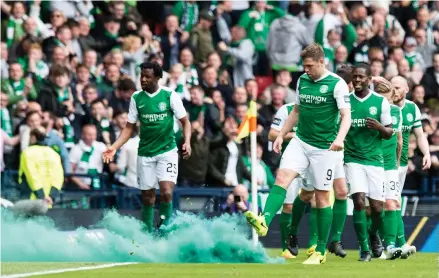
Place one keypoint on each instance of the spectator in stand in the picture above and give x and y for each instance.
(201, 38)
(257, 22)
(63, 39)
(190, 74)
(411, 54)
(430, 80)
(74, 43)
(187, 12)
(86, 158)
(226, 167)
(71, 125)
(90, 61)
(122, 96)
(214, 60)
(423, 48)
(71, 9)
(108, 83)
(56, 91)
(265, 178)
(240, 53)
(4, 67)
(172, 41)
(221, 26)
(109, 39)
(237, 201)
(14, 28)
(17, 86)
(268, 111)
(390, 22)
(423, 18)
(283, 79)
(99, 118)
(177, 81)
(415, 175)
(376, 67)
(6, 141)
(158, 58)
(120, 119)
(286, 38)
(210, 84)
(33, 63)
(358, 15)
(134, 52)
(127, 160)
(252, 88)
(418, 95)
(59, 57)
(6, 119)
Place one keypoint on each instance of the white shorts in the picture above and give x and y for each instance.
(402, 172)
(293, 191)
(392, 190)
(365, 179)
(318, 164)
(152, 170)
(339, 170)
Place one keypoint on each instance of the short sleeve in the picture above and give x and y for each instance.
(400, 121)
(75, 154)
(418, 117)
(177, 106)
(280, 118)
(132, 112)
(341, 94)
(297, 93)
(385, 118)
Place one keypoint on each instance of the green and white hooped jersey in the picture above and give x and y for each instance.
(389, 146)
(364, 145)
(280, 118)
(320, 101)
(156, 113)
(411, 118)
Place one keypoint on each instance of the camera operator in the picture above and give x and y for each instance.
(237, 201)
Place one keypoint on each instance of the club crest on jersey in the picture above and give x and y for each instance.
(410, 117)
(324, 89)
(373, 110)
(394, 120)
(162, 106)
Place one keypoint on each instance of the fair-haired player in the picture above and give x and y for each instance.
(371, 123)
(411, 120)
(391, 154)
(155, 107)
(317, 146)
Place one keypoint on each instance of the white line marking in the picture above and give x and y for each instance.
(65, 270)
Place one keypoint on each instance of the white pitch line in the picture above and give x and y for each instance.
(64, 270)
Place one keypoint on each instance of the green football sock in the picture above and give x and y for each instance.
(274, 202)
(312, 226)
(324, 220)
(338, 219)
(376, 221)
(400, 234)
(368, 222)
(299, 207)
(390, 227)
(148, 217)
(360, 225)
(382, 229)
(165, 210)
(285, 221)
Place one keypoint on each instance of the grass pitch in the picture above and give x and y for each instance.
(423, 265)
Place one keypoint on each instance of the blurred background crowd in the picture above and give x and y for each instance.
(72, 66)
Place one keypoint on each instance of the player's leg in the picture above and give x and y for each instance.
(312, 228)
(322, 164)
(407, 250)
(293, 163)
(285, 217)
(147, 183)
(167, 172)
(357, 187)
(390, 224)
(376, 185)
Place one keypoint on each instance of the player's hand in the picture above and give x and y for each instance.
(186, 150)
(108, 154)
(372, 123)
(337, 145)
(426, 162)
(277, 145)
(48, 200)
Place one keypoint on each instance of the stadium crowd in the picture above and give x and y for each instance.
(72, 66)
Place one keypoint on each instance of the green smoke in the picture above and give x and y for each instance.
(187, 239)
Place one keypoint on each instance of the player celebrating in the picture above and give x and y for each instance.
(371, 122)
(316, 146)
(411, 120)
(391, 155)
(157, 163)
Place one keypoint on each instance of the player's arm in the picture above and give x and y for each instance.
(421, 140)
(278, 123)
(341, 95)
(384, 127)
(125, 135)
(179, 112)
(400, 140)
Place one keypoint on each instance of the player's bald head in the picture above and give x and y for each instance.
(400, 82)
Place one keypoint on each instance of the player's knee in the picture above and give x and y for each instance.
(376, 206)
(287, 208)
(390, 205)
(340, 189)
(284, 178)
(307, 196)
(148, 197)
(359, 201)
(322, 198)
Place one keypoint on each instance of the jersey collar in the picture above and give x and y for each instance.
(323, 76)
(363, 99)
(153, 94)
